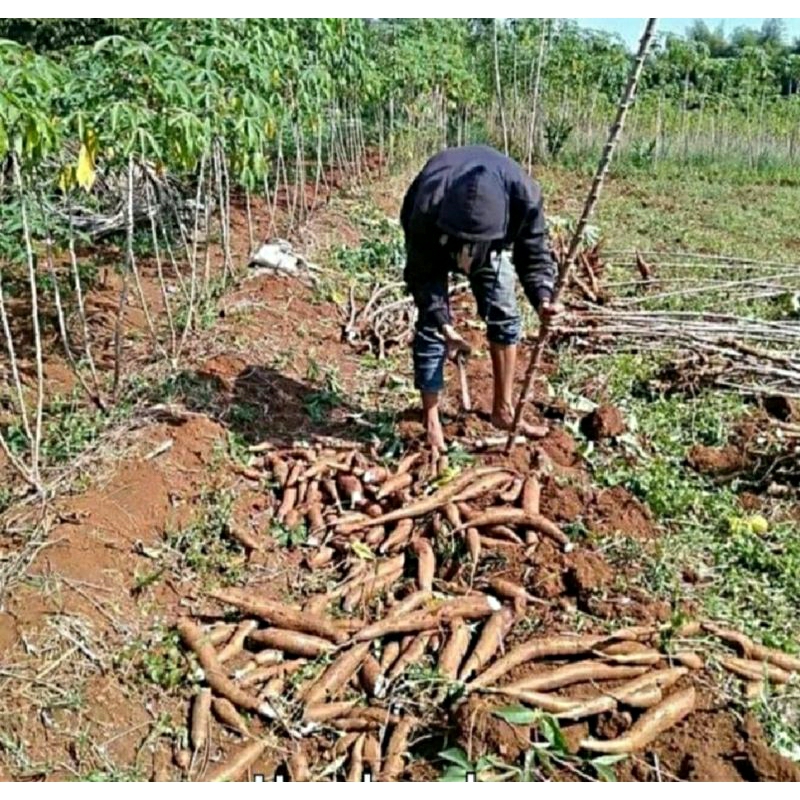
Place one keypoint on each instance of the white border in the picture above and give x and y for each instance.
(395, 791)
(408, 8)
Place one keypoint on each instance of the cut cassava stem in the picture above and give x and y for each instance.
(565, 267)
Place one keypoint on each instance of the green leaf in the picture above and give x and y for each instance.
(362, 550)
(454, 774)
(517, 715)
(455, 755)
(603, 764)
(551, 730)
(608, 759)
(605, 773)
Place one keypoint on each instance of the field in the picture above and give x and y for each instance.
(195, 582)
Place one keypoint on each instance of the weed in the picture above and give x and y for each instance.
(551, 751)
(204, 547)
(318, 404)
(158, 660)
(460, 768)
(289, 537)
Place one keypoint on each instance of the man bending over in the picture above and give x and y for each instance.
(464, 212)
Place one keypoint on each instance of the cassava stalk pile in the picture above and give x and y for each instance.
(385, 320)
(404, 631)
(724, 346)
(751, 355)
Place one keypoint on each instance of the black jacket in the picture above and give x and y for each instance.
(475, 194)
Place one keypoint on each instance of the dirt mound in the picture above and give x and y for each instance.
(616, 511)
(564, 502)
(604, 422)
(561, 448)
(481, 733)
(586, 572)
(715, 460)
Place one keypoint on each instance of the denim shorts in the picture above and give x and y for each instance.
(494, 287)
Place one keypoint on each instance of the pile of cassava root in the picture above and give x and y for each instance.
(338, 668)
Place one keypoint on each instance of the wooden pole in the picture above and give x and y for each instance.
(565, 267)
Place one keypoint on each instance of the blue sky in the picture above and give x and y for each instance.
(631, 29)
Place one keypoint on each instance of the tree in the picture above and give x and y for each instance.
(773, 33)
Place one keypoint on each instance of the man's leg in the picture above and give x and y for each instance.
(504, 362)
(431, 420)
(430, 352)
(493, 285)
(429, 358)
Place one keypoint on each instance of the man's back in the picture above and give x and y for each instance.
(425, 195)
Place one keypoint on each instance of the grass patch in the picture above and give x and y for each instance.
(748, 579)
(203, 547)
(158, 660)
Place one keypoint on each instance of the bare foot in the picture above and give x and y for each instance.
(503, 419)
(433, 429)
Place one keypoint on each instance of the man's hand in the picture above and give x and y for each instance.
(550, 312)
(455, 342)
